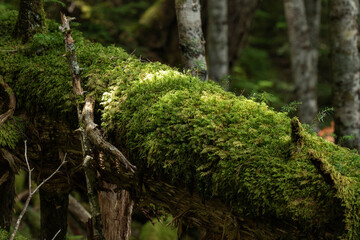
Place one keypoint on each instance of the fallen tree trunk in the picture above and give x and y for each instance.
(213, 160)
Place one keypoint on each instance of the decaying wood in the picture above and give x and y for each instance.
(93, 135)
(116, 209)
(90, 172)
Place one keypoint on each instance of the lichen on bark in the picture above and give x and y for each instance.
(31, 19)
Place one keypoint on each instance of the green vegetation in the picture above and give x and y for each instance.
(193, 133)
(4, 235)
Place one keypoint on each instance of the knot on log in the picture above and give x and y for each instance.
(297, 133)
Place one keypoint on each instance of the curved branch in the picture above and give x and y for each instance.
(95, 137)
(12, 103)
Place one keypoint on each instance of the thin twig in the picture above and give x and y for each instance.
(56, 234)
(31, 193)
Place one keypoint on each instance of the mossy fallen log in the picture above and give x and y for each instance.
(214, 160)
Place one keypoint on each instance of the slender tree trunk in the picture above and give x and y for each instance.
(313, 17)
(345, 70)
(240, 16)
(53, 208)
(303, 59)
(191, 38)
(217, 42)
(7, 181)
(116, 209)
(31, 19)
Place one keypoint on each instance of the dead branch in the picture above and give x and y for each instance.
(89, 170)
(31, 193)
(12, 103)
(95, 136)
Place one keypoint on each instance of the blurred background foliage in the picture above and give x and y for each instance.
(263, 68)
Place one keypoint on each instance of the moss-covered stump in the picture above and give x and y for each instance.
(210, 158)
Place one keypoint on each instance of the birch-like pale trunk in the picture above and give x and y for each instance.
(303, 60)
(191, 37)
(345, 70)
(217, 42)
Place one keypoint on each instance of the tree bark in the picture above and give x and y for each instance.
(217, 42)
(31, 19)
(303, 59)
(116, 209)
(345, 70)
(191, 40)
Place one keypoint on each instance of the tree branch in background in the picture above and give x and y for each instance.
(31, 193)
(78, 211)
(191, 37)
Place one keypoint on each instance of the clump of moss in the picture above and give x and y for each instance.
(193, 133)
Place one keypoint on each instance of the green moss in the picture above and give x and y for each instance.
(4, 235)
(195, 134)
(10, 133)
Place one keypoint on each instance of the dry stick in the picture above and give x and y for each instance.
(12, 102)
(90, 172)
(31, 193)
(56, 234)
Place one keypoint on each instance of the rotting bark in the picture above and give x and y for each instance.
(217, 42)
(345, 71)
(191, 39)
(303, 58)
(31, 19)
(116, 209)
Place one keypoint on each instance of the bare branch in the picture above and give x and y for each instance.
(31, 193)
(56, 234)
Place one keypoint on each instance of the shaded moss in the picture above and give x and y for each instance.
(195, 134)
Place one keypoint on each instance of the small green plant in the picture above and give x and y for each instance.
(347, 138)
(262, 97)
(291, 107)
(324, 113)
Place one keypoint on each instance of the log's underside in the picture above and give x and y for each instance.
(213, 160)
